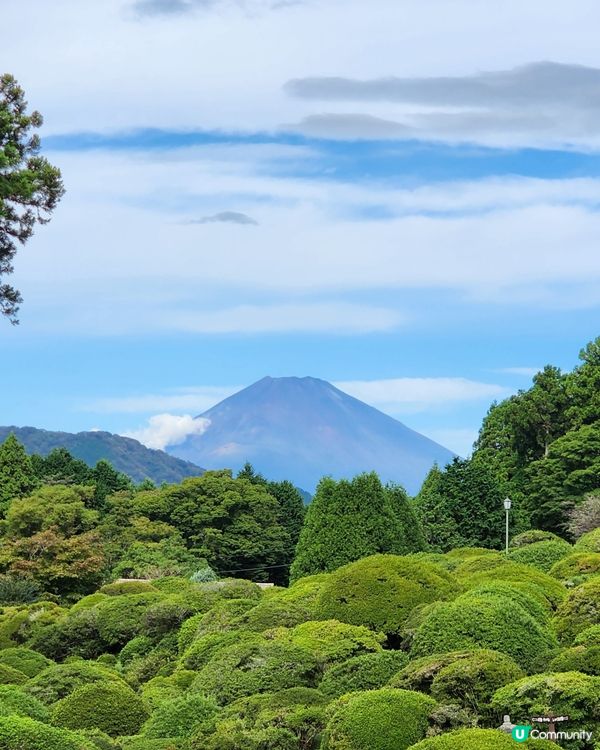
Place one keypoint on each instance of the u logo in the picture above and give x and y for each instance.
(521, 733)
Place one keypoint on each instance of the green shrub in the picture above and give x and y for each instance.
(11, 676)
(385, 719)
(112, 707)
(576, 568)
(589, 542)
(233, 735)
(256, 666)
(174, 585)
(144, 743)
(13, 700)
(483, 622)
(18, 590)
(161, 689)
(577, 659)
(60, 680)
(542, 555)
(273, 613)
(20, 624)
(204, 575)
(25, 660)
(98, 739)
(222, 616)
(141, 645)
(364, 672)
(120, 588)
(203, 649)
(121, 618)
(419, 673)
(589, 637)
(580, 609)
(528, 597)
(479, 739)
(329, 640)
(77, 634)
(533, 536)
(565, 693)
(180, 716)
(232, 588)
(381, 591)
(165, 616)
(21, 733)
(88, 601)
(471, 681)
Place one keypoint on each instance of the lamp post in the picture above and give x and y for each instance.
(507, 507)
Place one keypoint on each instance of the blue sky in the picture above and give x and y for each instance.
(395, 200)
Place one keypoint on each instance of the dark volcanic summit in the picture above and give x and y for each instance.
(303, 428)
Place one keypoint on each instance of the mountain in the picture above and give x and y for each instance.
(125, 454)
(303, 428)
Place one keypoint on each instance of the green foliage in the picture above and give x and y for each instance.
(580, 609)
(531, 537)
(589, 542)
(180, 716)
(17, 478)
(14, 701)
(578, 659)
(576, 568)
(63, 509)
(112, 707)
(21, 733)
(118, 588)
(204, 648)
(479, 739)
(274, 612)
(160, 689)
(528, 597)
(348, 520)
(565, 693)
(60, 680)
(542, 555)
(381, 591)
(370, 720)
(25, 660)
(121, 618)
(11, 676)
(589, 637)
(15, 589)
(329, 640)
(204, 574)
(488, 622)
(363, 672)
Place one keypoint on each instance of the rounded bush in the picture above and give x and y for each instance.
(479, 739)
(121, 618)
(381, 591)
(232, 588)
(542, 555)
(180, 716)
(364, 672)
(566, 693)
(11, 676)
(471, 681)
(532, 537)
(86, 602)
(577, 659)
(527, 597)
(589, 542)
(21, 733)
(25, 660)
(273, 613)
(576, 568)
(15, 701)
(483, 622)
(222, 616)
(119, 588)
(329, 640)
(144, 743)
(419, 674)
(256, 666)
(112, 707)
(579, 611)
(60, 680)
(161, 689)
(202, 650)
(385, 719)
(589, 637)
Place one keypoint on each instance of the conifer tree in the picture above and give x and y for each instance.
(17, 477)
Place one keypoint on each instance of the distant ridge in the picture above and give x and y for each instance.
(125, 454)
(303, 428)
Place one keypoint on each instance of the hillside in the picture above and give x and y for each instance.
(125, 454)
(304, 428)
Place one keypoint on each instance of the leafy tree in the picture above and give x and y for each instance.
(439, 527)
(30, 187)
(17, 477)
(60, 467)
(107, 481)
(348, 520)
(586, 516)
(583, 387)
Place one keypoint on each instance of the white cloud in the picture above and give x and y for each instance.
(403, 395)
(163, 430)
(194, 399)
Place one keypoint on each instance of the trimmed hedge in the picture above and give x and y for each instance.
(589, 542)
(576, 568)
(589, 637)
(480, 739)
(579, 611)
(329, 640)
(60, 680)
(20, 733)
(180, 716)
(577, 659)
(273, 612)
(11, 676)
(532, 537)
(528, 597)
(542, 555)
(121, 618)
(119, 588)
(202, 651)
(364, 672)
(13, 700)
(381, 591)
(25, 660)
(112, 707)
(385, 719)
(483, 622)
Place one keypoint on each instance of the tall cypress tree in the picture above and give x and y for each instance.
(17, 477)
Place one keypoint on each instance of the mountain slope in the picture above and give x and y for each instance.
(303, 428)
(125, 454)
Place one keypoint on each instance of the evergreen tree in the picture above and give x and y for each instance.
(17, 477)
(433, 510)
(107, 480)
(60, 467)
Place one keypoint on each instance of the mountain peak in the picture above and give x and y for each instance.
(302, 428)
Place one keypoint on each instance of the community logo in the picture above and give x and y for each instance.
(521, 733)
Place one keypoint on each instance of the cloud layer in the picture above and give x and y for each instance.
(163, 430)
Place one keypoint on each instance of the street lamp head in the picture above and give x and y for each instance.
(507, 503)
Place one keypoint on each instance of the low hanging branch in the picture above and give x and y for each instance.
(30, 187)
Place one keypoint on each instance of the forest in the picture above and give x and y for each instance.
(222, 613)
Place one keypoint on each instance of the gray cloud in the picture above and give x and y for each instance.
(350, 126)
(226, 217)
